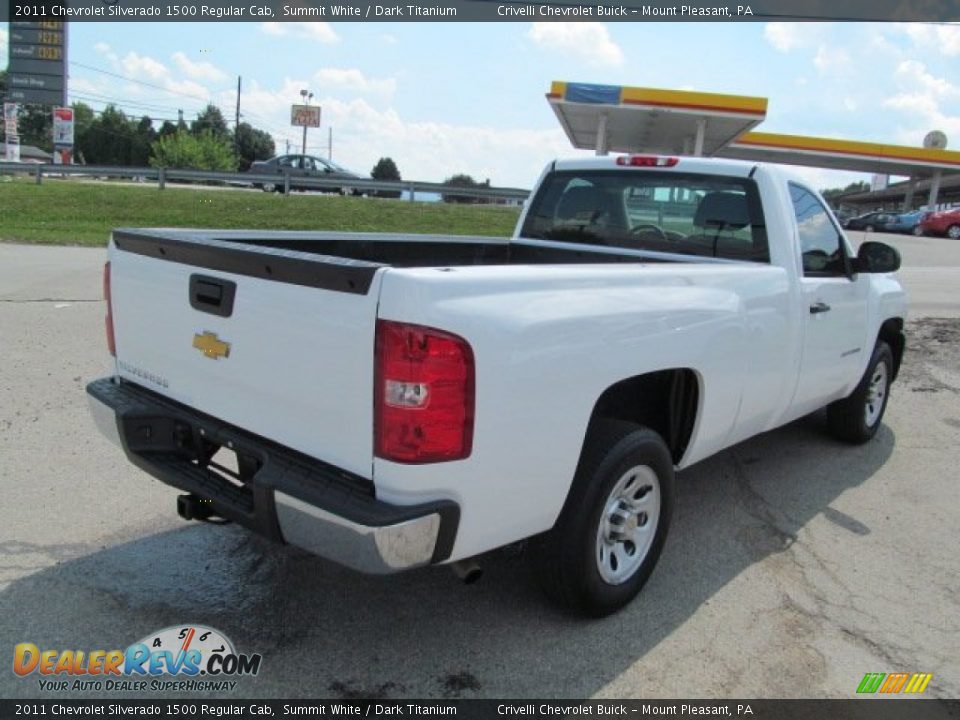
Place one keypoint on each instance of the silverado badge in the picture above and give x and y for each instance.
(211, 346)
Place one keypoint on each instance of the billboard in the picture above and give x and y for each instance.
(305, 115)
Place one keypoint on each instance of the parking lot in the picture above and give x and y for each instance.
(794, 566)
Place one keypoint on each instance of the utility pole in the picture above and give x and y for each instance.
(236, 127)
(330, 143)
(179, 118)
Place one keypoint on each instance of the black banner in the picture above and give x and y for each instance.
(853, 709)
(476, 10)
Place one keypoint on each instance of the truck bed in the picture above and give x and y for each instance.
(347, 261)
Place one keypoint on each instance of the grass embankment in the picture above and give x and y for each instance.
(68, 212)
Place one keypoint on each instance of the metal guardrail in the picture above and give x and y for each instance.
(283, 180)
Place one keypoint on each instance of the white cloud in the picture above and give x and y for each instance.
(354, 82)
(912, 73)
(587, 41)
(943, 39)
(832, 61)
(787, 36)
(198, 70)
(319, 31)
(139, 66)
(389, 39)
(927, 101)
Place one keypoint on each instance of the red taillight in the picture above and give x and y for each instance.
(647, 161)
(111, 343)
(423, 399)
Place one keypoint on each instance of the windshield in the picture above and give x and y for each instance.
(684, 213)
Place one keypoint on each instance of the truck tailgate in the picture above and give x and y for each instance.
(290, 359)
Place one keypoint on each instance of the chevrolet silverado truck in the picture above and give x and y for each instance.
(393, 401)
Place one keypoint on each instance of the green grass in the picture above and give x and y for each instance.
(71, 212)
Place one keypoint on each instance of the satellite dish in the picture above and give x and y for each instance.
(935, 140)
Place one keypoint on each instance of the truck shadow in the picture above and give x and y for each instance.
(325, 631)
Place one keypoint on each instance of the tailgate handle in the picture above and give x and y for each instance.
(212, 295)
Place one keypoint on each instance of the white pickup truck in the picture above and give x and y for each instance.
(395, 401)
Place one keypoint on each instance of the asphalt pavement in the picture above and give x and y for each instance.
(794, 566)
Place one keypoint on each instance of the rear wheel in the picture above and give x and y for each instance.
(613, 525)
(269, 187)
(917, 231)
(953, 232)
(856, 418)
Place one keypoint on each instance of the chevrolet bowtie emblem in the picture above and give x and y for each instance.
(210, 345)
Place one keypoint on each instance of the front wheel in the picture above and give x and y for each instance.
(856, 418)
(612, 528)
(917, 231)
(868, 228)
(953, 232)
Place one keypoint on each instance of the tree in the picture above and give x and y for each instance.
(196, 152)
(386, 169)
(858, 186)
(210, 119)
(464, 181)
(252, 145)
(108, 140)
(168, 128)
(143, 137)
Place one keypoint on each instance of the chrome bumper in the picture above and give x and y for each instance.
(369, 549)
(288, 497)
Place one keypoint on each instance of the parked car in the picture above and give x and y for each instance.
(303, 166)
(906, 223)
(869, 222)
(395, 400)
(942, 223)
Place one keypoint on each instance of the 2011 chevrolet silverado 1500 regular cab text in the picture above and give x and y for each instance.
(396, 401)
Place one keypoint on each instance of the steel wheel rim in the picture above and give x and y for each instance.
(628, 524)
(269, 187)
(876, 394)
(954, 232)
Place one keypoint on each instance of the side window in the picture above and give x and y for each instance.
(820, 241)
(306, 163)
(286, 162)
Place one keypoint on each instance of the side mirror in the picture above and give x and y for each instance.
(876, 257)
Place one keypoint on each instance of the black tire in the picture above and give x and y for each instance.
(850, 419)
(917, 231)
(566, 559)
(953, 232)
(868, 228)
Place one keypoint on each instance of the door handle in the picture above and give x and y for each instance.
(819, 307)
(212, 295)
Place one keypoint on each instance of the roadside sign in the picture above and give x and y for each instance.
(63, 135)
(305, 115)
(37, 61)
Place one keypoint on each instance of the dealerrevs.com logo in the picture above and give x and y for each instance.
(180, 658)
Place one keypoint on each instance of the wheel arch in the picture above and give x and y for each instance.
(666, 401)
(891, 332)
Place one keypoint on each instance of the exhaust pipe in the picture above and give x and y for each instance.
(468, 570)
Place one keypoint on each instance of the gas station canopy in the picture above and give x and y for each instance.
(613, 118)
(840, 154)
(609, 118)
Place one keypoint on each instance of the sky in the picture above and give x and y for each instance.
(447, 98)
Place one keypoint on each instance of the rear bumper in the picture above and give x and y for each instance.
(283, 495)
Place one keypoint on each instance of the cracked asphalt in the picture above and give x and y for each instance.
(794, 566)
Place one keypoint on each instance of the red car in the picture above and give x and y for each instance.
(942, 223)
